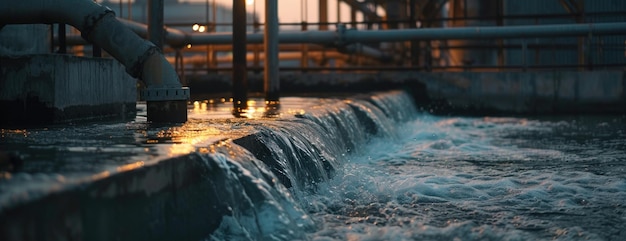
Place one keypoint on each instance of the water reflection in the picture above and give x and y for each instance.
(272, 109)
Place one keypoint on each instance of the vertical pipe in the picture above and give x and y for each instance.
(211, 55)
(255, 47)
(338, 11)
(323, 14)
(96, 51)
(353, 17)
(304, 58)
(524, 61)
(414, 44)
(208, 29)
(130, 11)
(240, 72)
(500, 42)
(582, 50)
(62, 39)
(155, 22)
(270, 40)
(51, 28)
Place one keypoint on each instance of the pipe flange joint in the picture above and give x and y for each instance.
(165, 94)
(92, 20)
(135, 69)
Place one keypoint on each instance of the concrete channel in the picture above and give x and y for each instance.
(177, 188)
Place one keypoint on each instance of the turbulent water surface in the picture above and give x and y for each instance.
(423, 177)
(452, 178)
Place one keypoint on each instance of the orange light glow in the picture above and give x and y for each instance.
(181, 149)
(130, 166)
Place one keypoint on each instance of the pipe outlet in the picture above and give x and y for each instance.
(98, 25)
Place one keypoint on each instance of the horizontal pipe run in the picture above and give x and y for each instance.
(98, 25)
(315, 55)
(175, 37)
(530, 31)
(252, 47)
(314, 37)
(344, 37)
(458, 68)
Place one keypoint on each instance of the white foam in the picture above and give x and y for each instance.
(454, 179)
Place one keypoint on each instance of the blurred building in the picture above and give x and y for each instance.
(181, 15)
(590, 52)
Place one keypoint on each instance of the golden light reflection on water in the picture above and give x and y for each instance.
(130, 166)
(181, 149)
(191, 136)
(5, 132)
(184, 139)
(101, 175)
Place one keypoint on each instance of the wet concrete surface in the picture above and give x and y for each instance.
(58, 155)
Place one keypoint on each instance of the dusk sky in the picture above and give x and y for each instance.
(290, 10)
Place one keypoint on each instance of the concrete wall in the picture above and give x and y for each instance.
(59, 88)
(527, 92)
(475, 93)
(24, 39)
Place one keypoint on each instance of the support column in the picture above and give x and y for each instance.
(304, 59)
(155, 22)
(323, 14)
(240, 71)
(500, 42)
(415, 44)
(62, 39)
(270, 40)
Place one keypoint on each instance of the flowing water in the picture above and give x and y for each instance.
(426, 177)
(368, 168)
(452, 178)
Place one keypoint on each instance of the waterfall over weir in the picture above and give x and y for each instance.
(211, 178)
(357, 168)
(296, 154)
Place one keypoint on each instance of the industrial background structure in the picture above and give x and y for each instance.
(214, 49)
(155, 174)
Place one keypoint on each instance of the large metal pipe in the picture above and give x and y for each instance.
(315, 37)
(200, 59)
(271, 84)
(240, 74)
(98, 25)
(175, 37)
(155, 20)
(345, 36)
